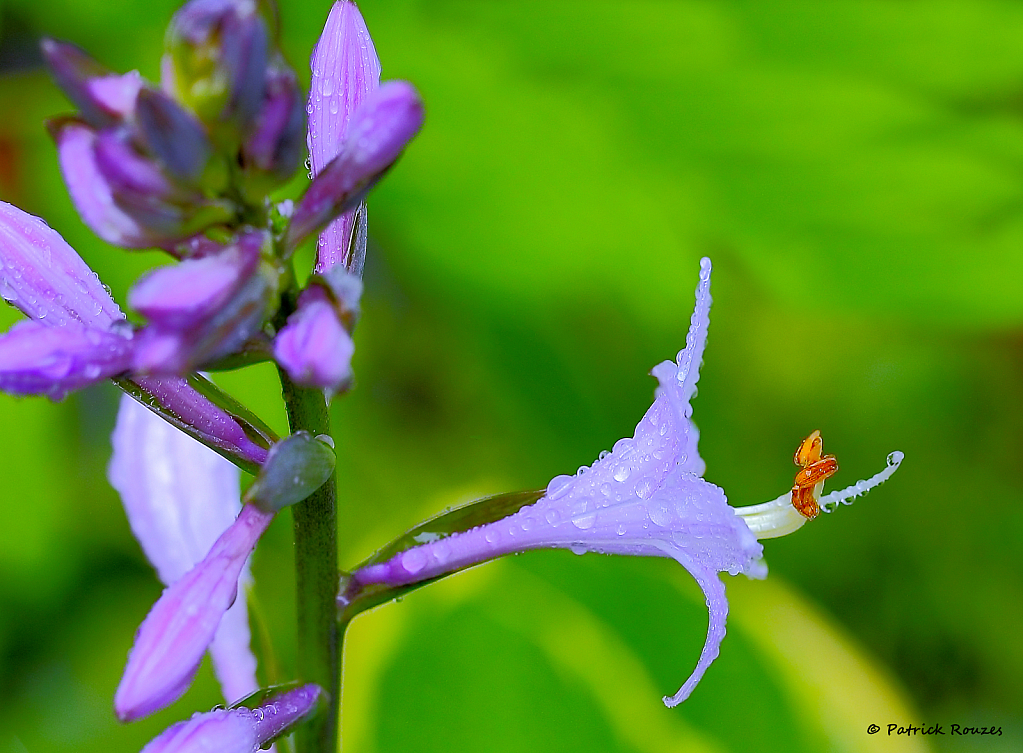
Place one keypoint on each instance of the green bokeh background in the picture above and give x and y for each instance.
(854, 170)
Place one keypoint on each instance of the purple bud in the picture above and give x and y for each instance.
(103, 96)
(238, 730)
(345, 69)
(103, 194)
(380, 129)
(179, 497)
(217, 53)
(92, 194)
(36, 359)
(204, 309)
(178, 401)
(177, 631)
(313, 347)
(185, 294)
(46, 278)
(275, 147)
(173, 135)
(644, 498)
(123, 166)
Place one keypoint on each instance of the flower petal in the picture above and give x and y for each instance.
(238, 730)
(181, 625)
(46, 278)
(179, 497)
(345, 69)
(39, 360)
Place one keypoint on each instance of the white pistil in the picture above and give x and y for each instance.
(778, 517)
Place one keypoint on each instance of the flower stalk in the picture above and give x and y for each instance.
(316, 576)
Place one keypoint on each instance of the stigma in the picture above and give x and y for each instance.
(804, 502)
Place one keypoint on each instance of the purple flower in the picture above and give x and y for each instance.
(274, 149)
(181, 625)
(238, 730)
(646, 497)
(123, 196)
(40, 360)
(380, 128)
(45, 278)
(103, 96)
(179, 497)
(345, 69)
(202, 308)
(217, 53)
(315, 346)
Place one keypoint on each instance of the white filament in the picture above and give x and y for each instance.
(830, 502)
(778, 517)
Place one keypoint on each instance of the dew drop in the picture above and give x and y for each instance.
(413, 560)
(660, 513)
(559, 486)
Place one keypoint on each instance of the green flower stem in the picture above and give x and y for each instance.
(316, 573)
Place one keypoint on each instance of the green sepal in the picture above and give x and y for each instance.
(354, 598)
(296, 467)
(250, 423)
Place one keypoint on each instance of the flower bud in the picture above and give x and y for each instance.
(241, 729)
(36, 359)
(274, 150)
(124, 200)
(296, 467)
(186, 294)
(203, 309)
(345, 69)
(46, 278)
(315, 347)
(174, 636)
(217, 52)
(173, 136)
(103, 96)
(381, 127)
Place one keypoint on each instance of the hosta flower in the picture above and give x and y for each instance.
(180, 497)
(238, 730)
(345, 69)
(188, 616)
(79, 337)
(174, 636)
(646, 497)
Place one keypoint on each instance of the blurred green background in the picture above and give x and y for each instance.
(854, 170)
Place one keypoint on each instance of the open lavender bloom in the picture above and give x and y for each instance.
(646, 497)
(241, 729)
(181, 625)
(179, 497)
